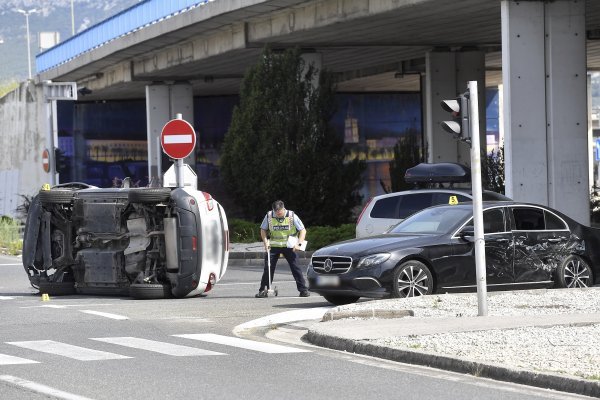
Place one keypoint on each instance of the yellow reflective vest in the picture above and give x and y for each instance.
(281, 228)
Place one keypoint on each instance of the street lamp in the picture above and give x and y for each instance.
(26, 14)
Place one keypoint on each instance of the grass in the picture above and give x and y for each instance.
(10, 236)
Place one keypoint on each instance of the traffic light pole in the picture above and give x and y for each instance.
(477, 200)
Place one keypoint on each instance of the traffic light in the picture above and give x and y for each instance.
(60, 161)
(459, 126)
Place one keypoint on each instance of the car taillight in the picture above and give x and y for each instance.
(194, 243)
(209, 201)
(363, 210)
(211, 282)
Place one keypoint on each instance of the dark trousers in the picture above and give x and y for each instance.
(292, 258)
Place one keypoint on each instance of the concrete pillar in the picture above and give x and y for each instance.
(545, 104)
(163, 101)
(447, 75)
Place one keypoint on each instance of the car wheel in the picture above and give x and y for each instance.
(411, 279)
(149, 291)
(149, 195)
(57, 196)
(57, 288)
(574, 272)
(340, 300)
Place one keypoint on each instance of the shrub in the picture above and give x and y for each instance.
(319, 236)
(241, 231)
(10, 235)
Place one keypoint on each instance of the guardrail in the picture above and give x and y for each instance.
(127, 21)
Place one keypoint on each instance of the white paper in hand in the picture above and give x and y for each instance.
(292, 242)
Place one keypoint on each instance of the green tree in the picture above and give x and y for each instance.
(492, 170)
(407, 154)
(280, 144)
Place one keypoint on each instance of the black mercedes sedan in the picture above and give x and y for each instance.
(432, 251)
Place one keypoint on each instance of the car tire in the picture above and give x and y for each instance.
(150, 291)
(411, 279)
(340, 300)
(149, 195)
(57, 288)
(574, 272)
(57, 196)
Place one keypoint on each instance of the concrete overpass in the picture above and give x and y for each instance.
(540, 50)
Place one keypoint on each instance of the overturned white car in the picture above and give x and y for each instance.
(148, 243)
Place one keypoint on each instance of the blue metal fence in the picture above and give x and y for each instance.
(136, 17)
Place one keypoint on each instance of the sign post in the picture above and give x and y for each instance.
(178, 140)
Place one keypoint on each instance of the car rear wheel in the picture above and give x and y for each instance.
(340, 300)
(149, 195)
(149, 291)
(57, 196)
(411, 279)
(574, 272)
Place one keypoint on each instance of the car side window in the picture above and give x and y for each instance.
(411, 203)
(493, 221)
(529, 219)
(386, 207)
(554, 223)
(444, 198)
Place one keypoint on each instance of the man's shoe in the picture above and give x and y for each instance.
(304, 293)
(261, 294)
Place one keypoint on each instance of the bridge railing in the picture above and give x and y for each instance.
(127, 21)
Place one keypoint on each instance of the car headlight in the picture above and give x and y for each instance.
(373, 259)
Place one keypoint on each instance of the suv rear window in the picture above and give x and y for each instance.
(401, 206)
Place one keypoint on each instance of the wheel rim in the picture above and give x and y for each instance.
(577, 274)
(412, 281)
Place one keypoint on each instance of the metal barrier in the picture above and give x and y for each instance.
(127, 21)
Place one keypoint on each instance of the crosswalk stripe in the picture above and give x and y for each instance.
(158, 347)
(67, 350)
(242, 343)
(104, 314)
(6, 298)
(12, 360)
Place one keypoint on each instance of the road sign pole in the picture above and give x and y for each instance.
(179, 163)
(477, 200)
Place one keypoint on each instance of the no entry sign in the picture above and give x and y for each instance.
(46, 160)
(178, 138)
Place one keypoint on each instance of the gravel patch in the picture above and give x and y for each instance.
(563, 349)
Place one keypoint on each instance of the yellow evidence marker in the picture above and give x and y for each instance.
(453, 200)
(45, 297)
(46, 186)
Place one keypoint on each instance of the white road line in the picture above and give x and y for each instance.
(11, 265)
(158, 347)
(42, 389)
(67, 350)
(251, 283)
(67, 305)
(12, 360)
(103, 314)
(283, 318)
(242, 343)
(6, 298)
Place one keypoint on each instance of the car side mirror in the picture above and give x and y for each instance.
(467, 234)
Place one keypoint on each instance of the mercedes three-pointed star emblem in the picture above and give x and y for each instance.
(328, 265)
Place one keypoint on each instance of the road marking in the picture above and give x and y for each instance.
(103, 314)
(242, 343)
(158, 347)
(283, 318)
(12, 360)
(67, 350)
(250, 283)
(66, 305)
(39, 388)
(6, 298)
(11, 265)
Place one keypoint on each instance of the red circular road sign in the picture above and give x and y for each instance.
(178, 138)
(46, 160)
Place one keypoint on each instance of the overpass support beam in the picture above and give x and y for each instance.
(545, 121)
(163, 101)
(447, 75)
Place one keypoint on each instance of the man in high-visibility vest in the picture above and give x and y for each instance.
(280, 224)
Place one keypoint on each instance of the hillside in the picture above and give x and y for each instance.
(52, 16)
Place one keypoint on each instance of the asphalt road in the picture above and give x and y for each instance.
(93, 347)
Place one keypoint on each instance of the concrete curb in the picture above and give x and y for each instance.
(542, 380)
(373, 313)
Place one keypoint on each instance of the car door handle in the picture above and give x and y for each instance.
(501, 240)
(555, 240)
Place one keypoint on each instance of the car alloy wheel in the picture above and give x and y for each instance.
(574, 272)
(411, 279)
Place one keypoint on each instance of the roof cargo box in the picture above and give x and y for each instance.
(438, 173)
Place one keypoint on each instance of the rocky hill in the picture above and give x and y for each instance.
(51, 16)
